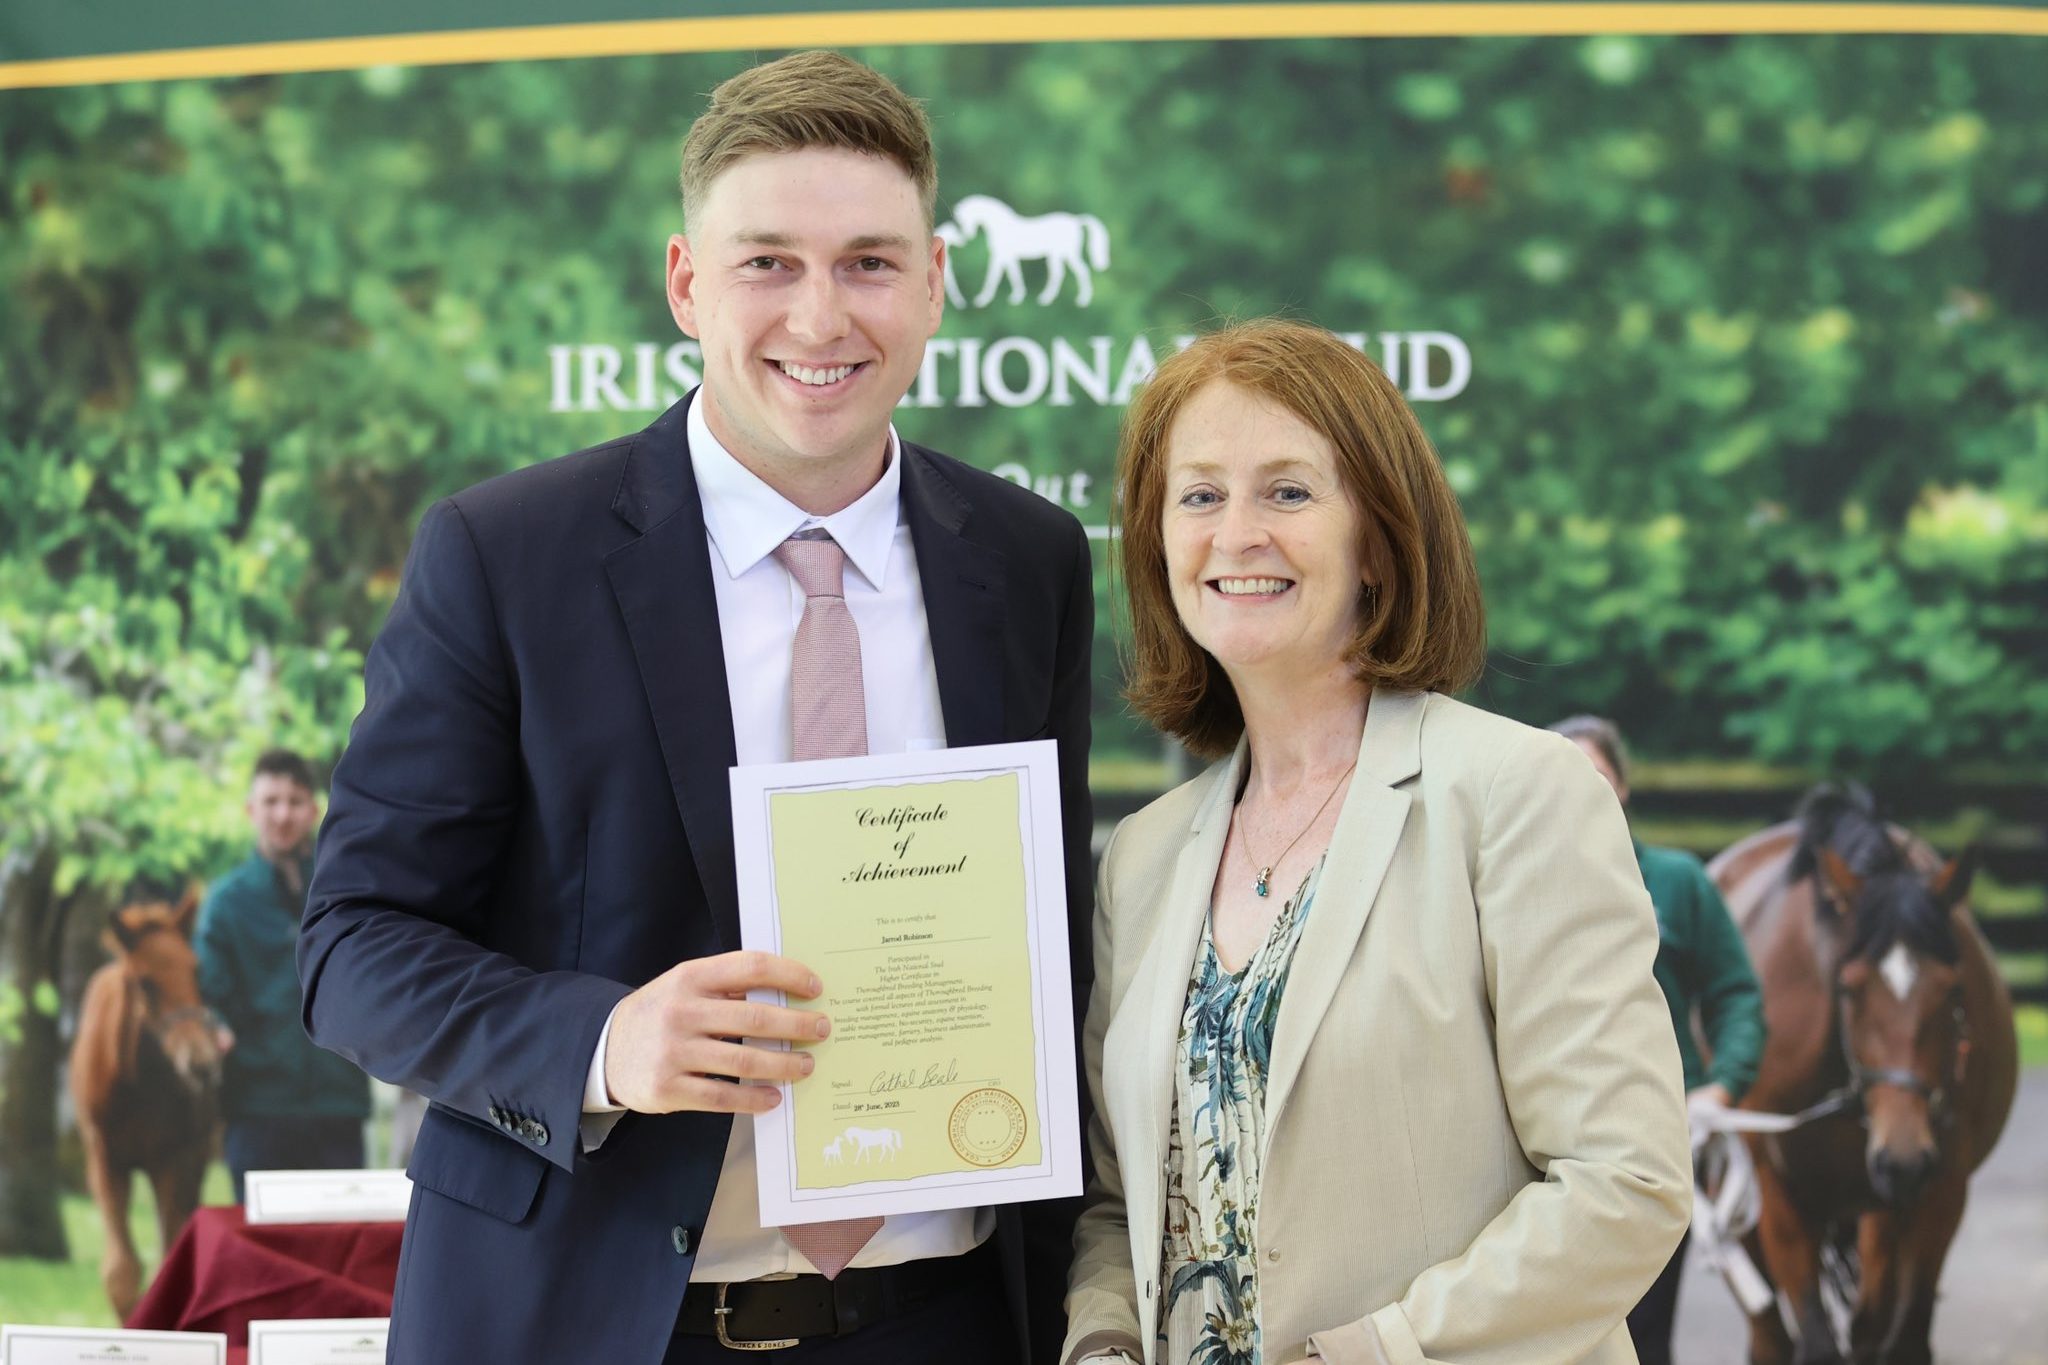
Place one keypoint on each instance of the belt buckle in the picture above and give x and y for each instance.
(719, 1313)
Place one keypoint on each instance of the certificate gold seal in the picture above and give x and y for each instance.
(987, 1126)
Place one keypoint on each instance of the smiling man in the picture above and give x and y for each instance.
(524, 906)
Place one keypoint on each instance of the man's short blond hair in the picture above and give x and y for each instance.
(809, 99)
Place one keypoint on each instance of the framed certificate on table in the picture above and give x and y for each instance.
(928, 892)
(318, 1341)
(348, 1196)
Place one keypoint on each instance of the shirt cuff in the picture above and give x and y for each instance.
(597, 1096)
(599, 1113)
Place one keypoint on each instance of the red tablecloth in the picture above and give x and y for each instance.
(221, 1272)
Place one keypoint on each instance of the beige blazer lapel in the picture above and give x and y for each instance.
(1361, 849)
(1152, 1009)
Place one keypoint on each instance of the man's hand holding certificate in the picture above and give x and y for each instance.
(926, 892)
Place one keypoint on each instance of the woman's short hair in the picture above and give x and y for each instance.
(808, 99)
(1604, 735)
(1425, 626)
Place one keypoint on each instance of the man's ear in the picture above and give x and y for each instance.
(935, 282)
(682, 274)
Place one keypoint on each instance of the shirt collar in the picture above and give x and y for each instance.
(747, 519)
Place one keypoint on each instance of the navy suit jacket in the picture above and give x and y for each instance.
(532, 818)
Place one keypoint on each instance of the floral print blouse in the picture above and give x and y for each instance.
(1209, 1260)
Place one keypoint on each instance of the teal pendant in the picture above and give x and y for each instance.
(1264, 885)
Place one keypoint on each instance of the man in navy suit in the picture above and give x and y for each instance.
(524, 902)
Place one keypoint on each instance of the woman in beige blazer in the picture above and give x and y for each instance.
(1380, 1070)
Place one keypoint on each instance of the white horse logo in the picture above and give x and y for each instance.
(885, 1142)
(1064, 241)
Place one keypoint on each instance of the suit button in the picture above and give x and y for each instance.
(679, 1238)
(497, 1116)
(535, 1132)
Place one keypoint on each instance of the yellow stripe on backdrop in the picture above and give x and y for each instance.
(1104, 23)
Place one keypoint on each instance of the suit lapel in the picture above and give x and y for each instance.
(1361, 849)
(964, 602)
(662, 581)
(1158, 994)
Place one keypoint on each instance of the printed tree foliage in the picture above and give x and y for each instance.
(1755, 444)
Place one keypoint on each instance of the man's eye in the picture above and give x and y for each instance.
(871, 264)
(763, 263)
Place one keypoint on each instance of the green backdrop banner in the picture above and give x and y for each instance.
(1732, 346)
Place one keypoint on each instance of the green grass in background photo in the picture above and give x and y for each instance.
(68, 1293)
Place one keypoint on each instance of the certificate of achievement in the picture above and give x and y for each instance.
(318, 1341)
(77, 1345)
(928, 892)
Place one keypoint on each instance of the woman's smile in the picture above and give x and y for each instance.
(1251, 589)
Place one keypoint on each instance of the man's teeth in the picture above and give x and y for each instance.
(803, 374)
(1246, 587)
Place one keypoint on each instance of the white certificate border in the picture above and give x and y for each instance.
(1058, 1175)
(11, 1333)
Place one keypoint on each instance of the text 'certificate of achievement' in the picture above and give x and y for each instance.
(928, 892)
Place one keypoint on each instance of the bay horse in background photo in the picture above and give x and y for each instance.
(145, 1078)
(1889, 1023)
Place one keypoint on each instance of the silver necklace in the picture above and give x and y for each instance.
(1263, 883)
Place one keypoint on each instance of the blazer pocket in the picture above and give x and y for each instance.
(473, 1165)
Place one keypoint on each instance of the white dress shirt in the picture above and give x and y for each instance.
(759, 606)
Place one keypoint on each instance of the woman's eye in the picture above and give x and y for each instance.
(1198, 497)
(1290, 493)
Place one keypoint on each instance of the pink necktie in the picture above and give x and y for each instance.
(830, 714)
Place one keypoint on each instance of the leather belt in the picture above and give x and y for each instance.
(770, 1314)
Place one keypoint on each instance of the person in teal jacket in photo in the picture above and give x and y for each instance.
(1705, 972)
(288, 1105)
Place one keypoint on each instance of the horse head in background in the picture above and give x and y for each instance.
(1889, 1022)
(1898, 982)
(145, 1076)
